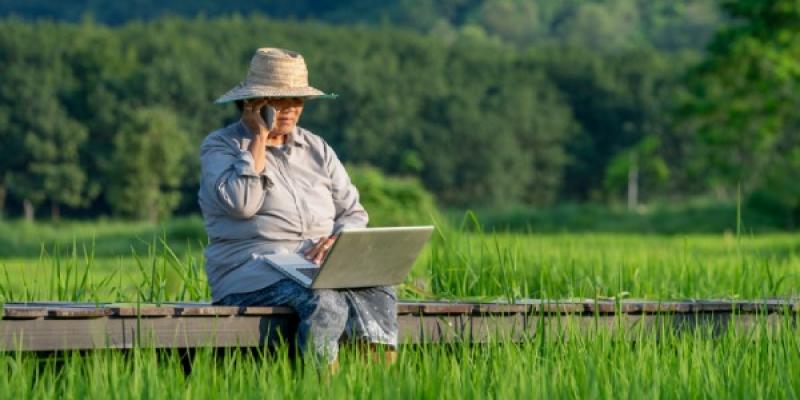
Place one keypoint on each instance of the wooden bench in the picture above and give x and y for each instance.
(49, 326)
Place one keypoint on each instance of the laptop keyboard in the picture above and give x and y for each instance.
(311, 273)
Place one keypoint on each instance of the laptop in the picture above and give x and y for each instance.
(361, 257)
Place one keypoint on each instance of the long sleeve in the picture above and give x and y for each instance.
(229, 184)
(349, 211)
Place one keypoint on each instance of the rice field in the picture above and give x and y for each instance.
(576, 367)
(456, 264)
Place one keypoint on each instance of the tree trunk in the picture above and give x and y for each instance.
(152, 214)
(55, 210)
(27, 206)
(633, 183)
(2, 201)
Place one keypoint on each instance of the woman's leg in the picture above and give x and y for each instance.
(373, 315)
(323, 313)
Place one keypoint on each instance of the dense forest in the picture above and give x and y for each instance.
(594, 25)
(488, 103)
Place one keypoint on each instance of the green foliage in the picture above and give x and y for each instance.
(616, 104)
(40, 140)
(703, 215)
(741, 109)
(460, 117)
(779, 194)
(579, 362)
(392, 201)
(645, 158)
(106, 238)
(594, 25)
(149, 163)
(456, 264)
(483, 109)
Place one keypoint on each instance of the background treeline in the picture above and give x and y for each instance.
(593, 24)
(601, 101)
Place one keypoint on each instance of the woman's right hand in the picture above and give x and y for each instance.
(251, 117)
(319, 251)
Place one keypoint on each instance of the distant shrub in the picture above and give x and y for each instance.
(187, 228)
(392, 201)
(781, 202)
(699, 216)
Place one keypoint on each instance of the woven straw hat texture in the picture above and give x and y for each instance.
(274, 72)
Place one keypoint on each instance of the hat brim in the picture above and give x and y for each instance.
(241, 92)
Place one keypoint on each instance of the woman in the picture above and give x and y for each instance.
(281, 188)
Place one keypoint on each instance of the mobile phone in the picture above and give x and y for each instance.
(268, 115)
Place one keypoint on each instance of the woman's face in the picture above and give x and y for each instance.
(287, 113)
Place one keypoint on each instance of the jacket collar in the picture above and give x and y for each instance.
(297, 138)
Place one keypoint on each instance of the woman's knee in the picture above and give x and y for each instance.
(385, 295)
(330, 300)
(389, 293)
(330, 305)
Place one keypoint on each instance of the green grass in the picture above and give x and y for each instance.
(455, 264)
(614, 265)
(108, 238)
(760, 365)
(702, 216)
(82, 265)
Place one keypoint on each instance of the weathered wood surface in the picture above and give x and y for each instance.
(49, 326)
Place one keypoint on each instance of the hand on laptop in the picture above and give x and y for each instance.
(320, 249)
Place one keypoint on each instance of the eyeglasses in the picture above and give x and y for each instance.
(281, 103)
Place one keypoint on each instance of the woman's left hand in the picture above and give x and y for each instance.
(319, 251)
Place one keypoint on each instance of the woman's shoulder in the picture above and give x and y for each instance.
(311, 139)
(229, 136)
(316, 144)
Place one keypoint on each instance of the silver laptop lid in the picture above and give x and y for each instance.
(372, 257)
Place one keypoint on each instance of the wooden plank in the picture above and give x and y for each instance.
(446, 308)
(56, 304)
(122, 333)
(62, 334)
(632, 306)
(553, 307)
(23, 312)
(497, 328)
(409, 308)
(65, 310)
(192, 332)
(602, 306)
(240, 330)
(500, 308)
(424, 329)
(665, 307)
(768, 305)
(255, 311)
(713, 306)
(644, 306)
(128, 311)
(77, 312)
(206, 311)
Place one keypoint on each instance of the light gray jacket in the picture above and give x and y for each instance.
(303, 194)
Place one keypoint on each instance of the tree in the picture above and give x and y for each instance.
(637, 167)
(616, 103)
(741, 108)
(148, 165)
(40, 140)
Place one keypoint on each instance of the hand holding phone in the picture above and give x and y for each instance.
(268, 115)
(258, 116)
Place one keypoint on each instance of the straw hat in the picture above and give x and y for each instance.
(274, 73)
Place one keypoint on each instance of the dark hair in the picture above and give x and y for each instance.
(240, 105)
